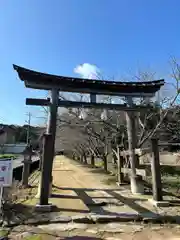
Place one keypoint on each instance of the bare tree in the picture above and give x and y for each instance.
(102, 136)
(163, 106)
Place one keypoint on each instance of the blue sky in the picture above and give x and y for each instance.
(118, 36)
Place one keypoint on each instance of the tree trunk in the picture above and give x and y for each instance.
(85, 158)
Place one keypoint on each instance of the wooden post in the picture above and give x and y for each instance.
(105, 162)
(40, 161)
(46, 170)
(92, 98)
(50, 146)
(156, 172)
(92, 160)
(51, 126)
(120, 175)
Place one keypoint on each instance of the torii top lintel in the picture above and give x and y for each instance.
(38, 80)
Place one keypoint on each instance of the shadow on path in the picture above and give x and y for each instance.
(81, 238)
(97, 208)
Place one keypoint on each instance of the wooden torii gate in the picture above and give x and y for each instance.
(54, 84)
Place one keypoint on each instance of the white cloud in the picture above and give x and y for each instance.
(87, 70)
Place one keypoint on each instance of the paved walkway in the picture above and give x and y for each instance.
(80, 189)
(111, 231)
(82, 193)
(77, 188)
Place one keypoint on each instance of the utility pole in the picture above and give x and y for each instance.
(27, 155)
(28, 128)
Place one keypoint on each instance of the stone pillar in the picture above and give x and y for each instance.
(120, 175)
(81, 158)
(85, 158)
(26, 167)
(136, 187)
(25, 173)
(156, 172)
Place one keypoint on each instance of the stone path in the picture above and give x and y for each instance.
(111, 231)
(81, 190)
(83, 197)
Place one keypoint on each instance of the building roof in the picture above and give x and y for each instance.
(4, 128)
(39, 80)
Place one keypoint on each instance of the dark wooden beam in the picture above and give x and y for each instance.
(37, 102)
(41, 86)
(73, 104)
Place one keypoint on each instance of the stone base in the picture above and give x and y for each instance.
(44, 208)
(121, 184)
(159, 203)
(137, 186)
(120, 217)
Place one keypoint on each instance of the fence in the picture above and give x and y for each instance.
(13, 148)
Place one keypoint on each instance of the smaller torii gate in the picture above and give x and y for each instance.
(54, 84)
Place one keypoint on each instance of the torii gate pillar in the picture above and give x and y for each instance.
(48, 151)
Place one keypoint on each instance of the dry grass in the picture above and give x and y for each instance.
(14, 201)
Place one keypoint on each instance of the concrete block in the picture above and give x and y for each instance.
(137, 186)
(141, 172)
(159, 203)
(44, 208)
(120, 217)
